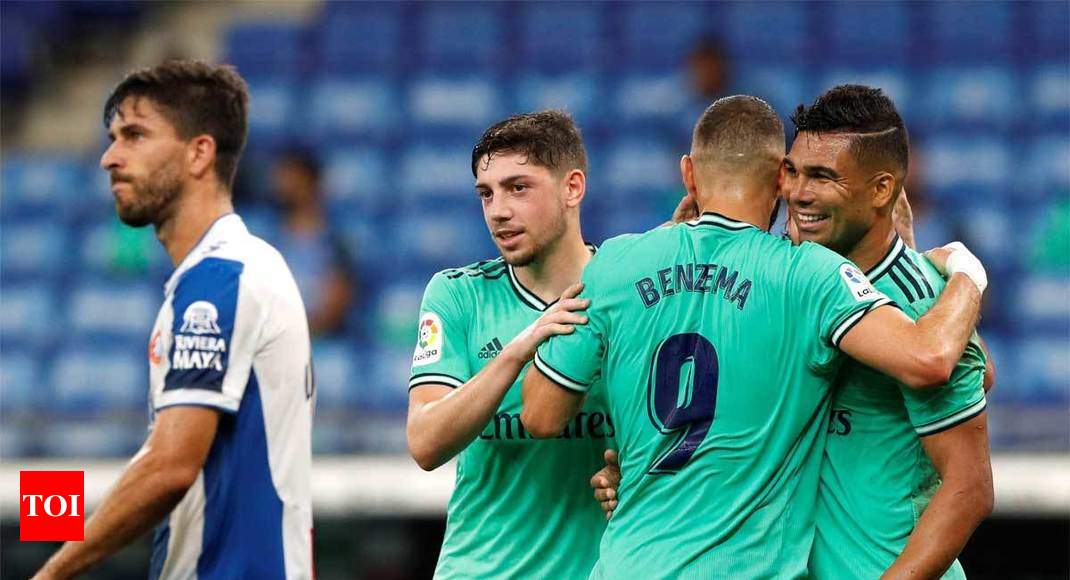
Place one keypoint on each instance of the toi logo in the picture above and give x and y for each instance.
(51, 506)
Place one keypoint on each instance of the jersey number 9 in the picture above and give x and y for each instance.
(682, 396)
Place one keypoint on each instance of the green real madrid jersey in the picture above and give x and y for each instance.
(876, 478)
(716, 343)
(522, 507)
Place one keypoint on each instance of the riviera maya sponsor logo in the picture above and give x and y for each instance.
(194, 347)
(429, 343)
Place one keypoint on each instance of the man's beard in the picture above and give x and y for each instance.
(153, 199)
(555, 230)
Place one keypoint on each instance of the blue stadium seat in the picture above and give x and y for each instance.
(93, 378)
(34, 249)
(775, 33)
(21, 386)
(642, 163)
(267, 49)
(976, 32)
(338, 373)
(96, 437)
(471, 102)
(561, 36)
(273, 114)
(440, 239)
(1043, 303)
(1049, 89)
(123, 312)
(1043, 367)
(38, 184)
(580, 94)
(441, 169)
(958, 165)
(388, 389)
(461, 35)
(659, 35)
(358, 174)
(395, 312)
(360, 36)
(852, 38)
(650, 97)
(1046, 163)
(28, 315)
(967, 97)
(1047, 36)
(353, 106)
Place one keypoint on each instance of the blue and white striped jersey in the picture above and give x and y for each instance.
(232, 335)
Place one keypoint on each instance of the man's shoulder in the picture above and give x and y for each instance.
(910, 280)
(464, 283)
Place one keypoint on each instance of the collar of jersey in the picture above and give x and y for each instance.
(710, 218)
(223, 227)
(897, 249)
(527, 296)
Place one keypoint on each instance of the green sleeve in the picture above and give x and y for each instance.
(961, 399)
(441, 355)
(836, 295)
(574, 361)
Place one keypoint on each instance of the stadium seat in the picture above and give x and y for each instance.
(34, 249)
(642, 162)
(439, 170)
(461, 35)
(95, 378)
(471, 102)
(124, 312)
(783, 87)
(353, 106)
(985, 35)
(273, 111)
(956, 165)
(580, 94)
(267, 49)
(28, 315)
(561, 36)
(867, 34)
(1049, 89)
(358, 174)
(651, 98)
(1046, 163)
(967, 97)
(777, 33)
(91, 438)
(659, 35)
(388, 389)
(1043, 367)
(394, 314)
(338, 374)
(42, 185)
(360, 36)
(20, 379)
(1043, 303)
(1047, 35)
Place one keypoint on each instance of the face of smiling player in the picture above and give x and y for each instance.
(827, 191)
(145, 161)
(526, 206)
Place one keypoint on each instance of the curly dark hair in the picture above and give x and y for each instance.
(549, 138)
(198, 98)
(879, 136)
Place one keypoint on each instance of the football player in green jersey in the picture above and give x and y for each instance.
(906, 476)
(715, 344)
(479, 327)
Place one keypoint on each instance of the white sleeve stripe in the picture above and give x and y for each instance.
(850, 321)
(948, 422)
(557, 377)
(197, 397)
(424, 379)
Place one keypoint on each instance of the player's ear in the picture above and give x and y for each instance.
(883, 187)
(200, 155)
(575, 188)
(687, 173)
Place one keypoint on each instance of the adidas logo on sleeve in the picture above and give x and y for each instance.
(491, 349)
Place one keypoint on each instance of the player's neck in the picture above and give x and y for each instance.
(874, 245)
(557, 268)
(739, 208)
(192, 218)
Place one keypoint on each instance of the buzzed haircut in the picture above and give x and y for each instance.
(548, 138)
(740, 128)
(198, 98)
(879, 140)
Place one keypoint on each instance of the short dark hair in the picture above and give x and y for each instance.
(303, 158)
(880, 134)
(738, 124)
(197, 98)
(548, 138)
